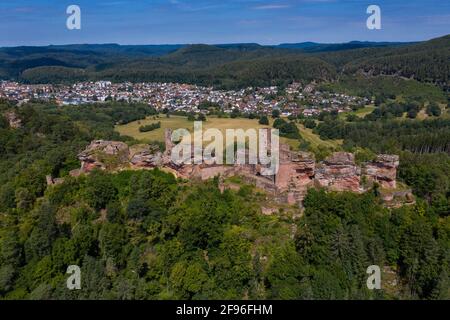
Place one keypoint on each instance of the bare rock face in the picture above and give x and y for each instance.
(103, 155)
(146, 159)
(296, 168)
(305, 164)
(339, 173)
(285, 153)
(341, 159)
(145, 156)
(383, 171)
(295, 176)
(297, 171)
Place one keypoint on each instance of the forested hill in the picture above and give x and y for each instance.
(145, 235)
(228, 65)
(329, 47)
(427, 62)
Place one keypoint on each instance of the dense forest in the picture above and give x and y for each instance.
(146, 235)
(385, 87)
(424, 146)
(426, 62)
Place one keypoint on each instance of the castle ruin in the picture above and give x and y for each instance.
(298, 171)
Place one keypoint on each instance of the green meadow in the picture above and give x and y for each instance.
(177, 122)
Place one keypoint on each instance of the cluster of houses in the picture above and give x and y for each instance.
(294, 100)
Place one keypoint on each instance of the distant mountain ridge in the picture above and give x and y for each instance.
(161, 49)
(323, 47)
(228, 65)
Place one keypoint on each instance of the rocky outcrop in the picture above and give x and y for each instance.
(295, 174)
(294, 166)
(14, 121)
(53, 181)
(339, 173)
(383, 170)
(114, 155)
(168, 141)
(396, 199)
(145, 156)
(103, 155)
(298, 171)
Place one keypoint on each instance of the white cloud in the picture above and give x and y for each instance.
(271, 6)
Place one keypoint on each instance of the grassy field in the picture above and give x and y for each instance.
(360, 113)
(177, 122)
(315, 140)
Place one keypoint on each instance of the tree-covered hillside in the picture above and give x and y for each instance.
(146, 235)
(426, 62)
(228, 66)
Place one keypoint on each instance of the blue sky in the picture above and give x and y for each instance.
(43, 22)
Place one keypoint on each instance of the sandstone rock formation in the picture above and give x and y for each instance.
(53, 181)
(383, 171)
(145, 156)
(103, 155)
(14, 121)
(396, 199)
(297, 172)
(339, 173)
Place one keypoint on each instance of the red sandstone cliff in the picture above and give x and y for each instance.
(339, 173)
(297, 172)
(383, 171)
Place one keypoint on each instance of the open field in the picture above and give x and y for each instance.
(177, 122)
(315, 140)
(360, 113)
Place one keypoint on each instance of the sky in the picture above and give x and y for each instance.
(43, 22)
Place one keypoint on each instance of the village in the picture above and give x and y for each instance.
(294, 100)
